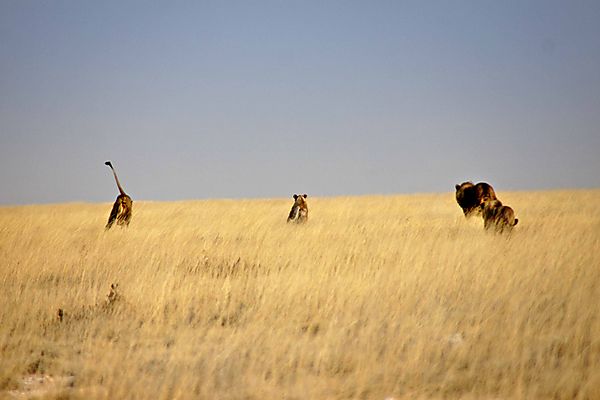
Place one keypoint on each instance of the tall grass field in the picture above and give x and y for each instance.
(376, 297)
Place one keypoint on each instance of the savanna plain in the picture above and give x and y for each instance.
(376, 297)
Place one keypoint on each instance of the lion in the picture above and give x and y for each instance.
(113, 295)
(299, 211)
(470, 197)
(123, 207)
(498, 216)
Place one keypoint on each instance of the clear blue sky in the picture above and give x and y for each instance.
(270, 98)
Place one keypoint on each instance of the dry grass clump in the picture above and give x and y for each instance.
(374, 297)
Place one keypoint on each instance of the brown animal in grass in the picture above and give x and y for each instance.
(497, 216)
(112, 299)
(112, 295)
(470, 197)
(299, 211)
(123, 207)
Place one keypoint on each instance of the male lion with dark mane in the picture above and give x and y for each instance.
(470, 197)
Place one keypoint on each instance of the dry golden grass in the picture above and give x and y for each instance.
(375, 297)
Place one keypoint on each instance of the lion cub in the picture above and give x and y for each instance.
(299, 211)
